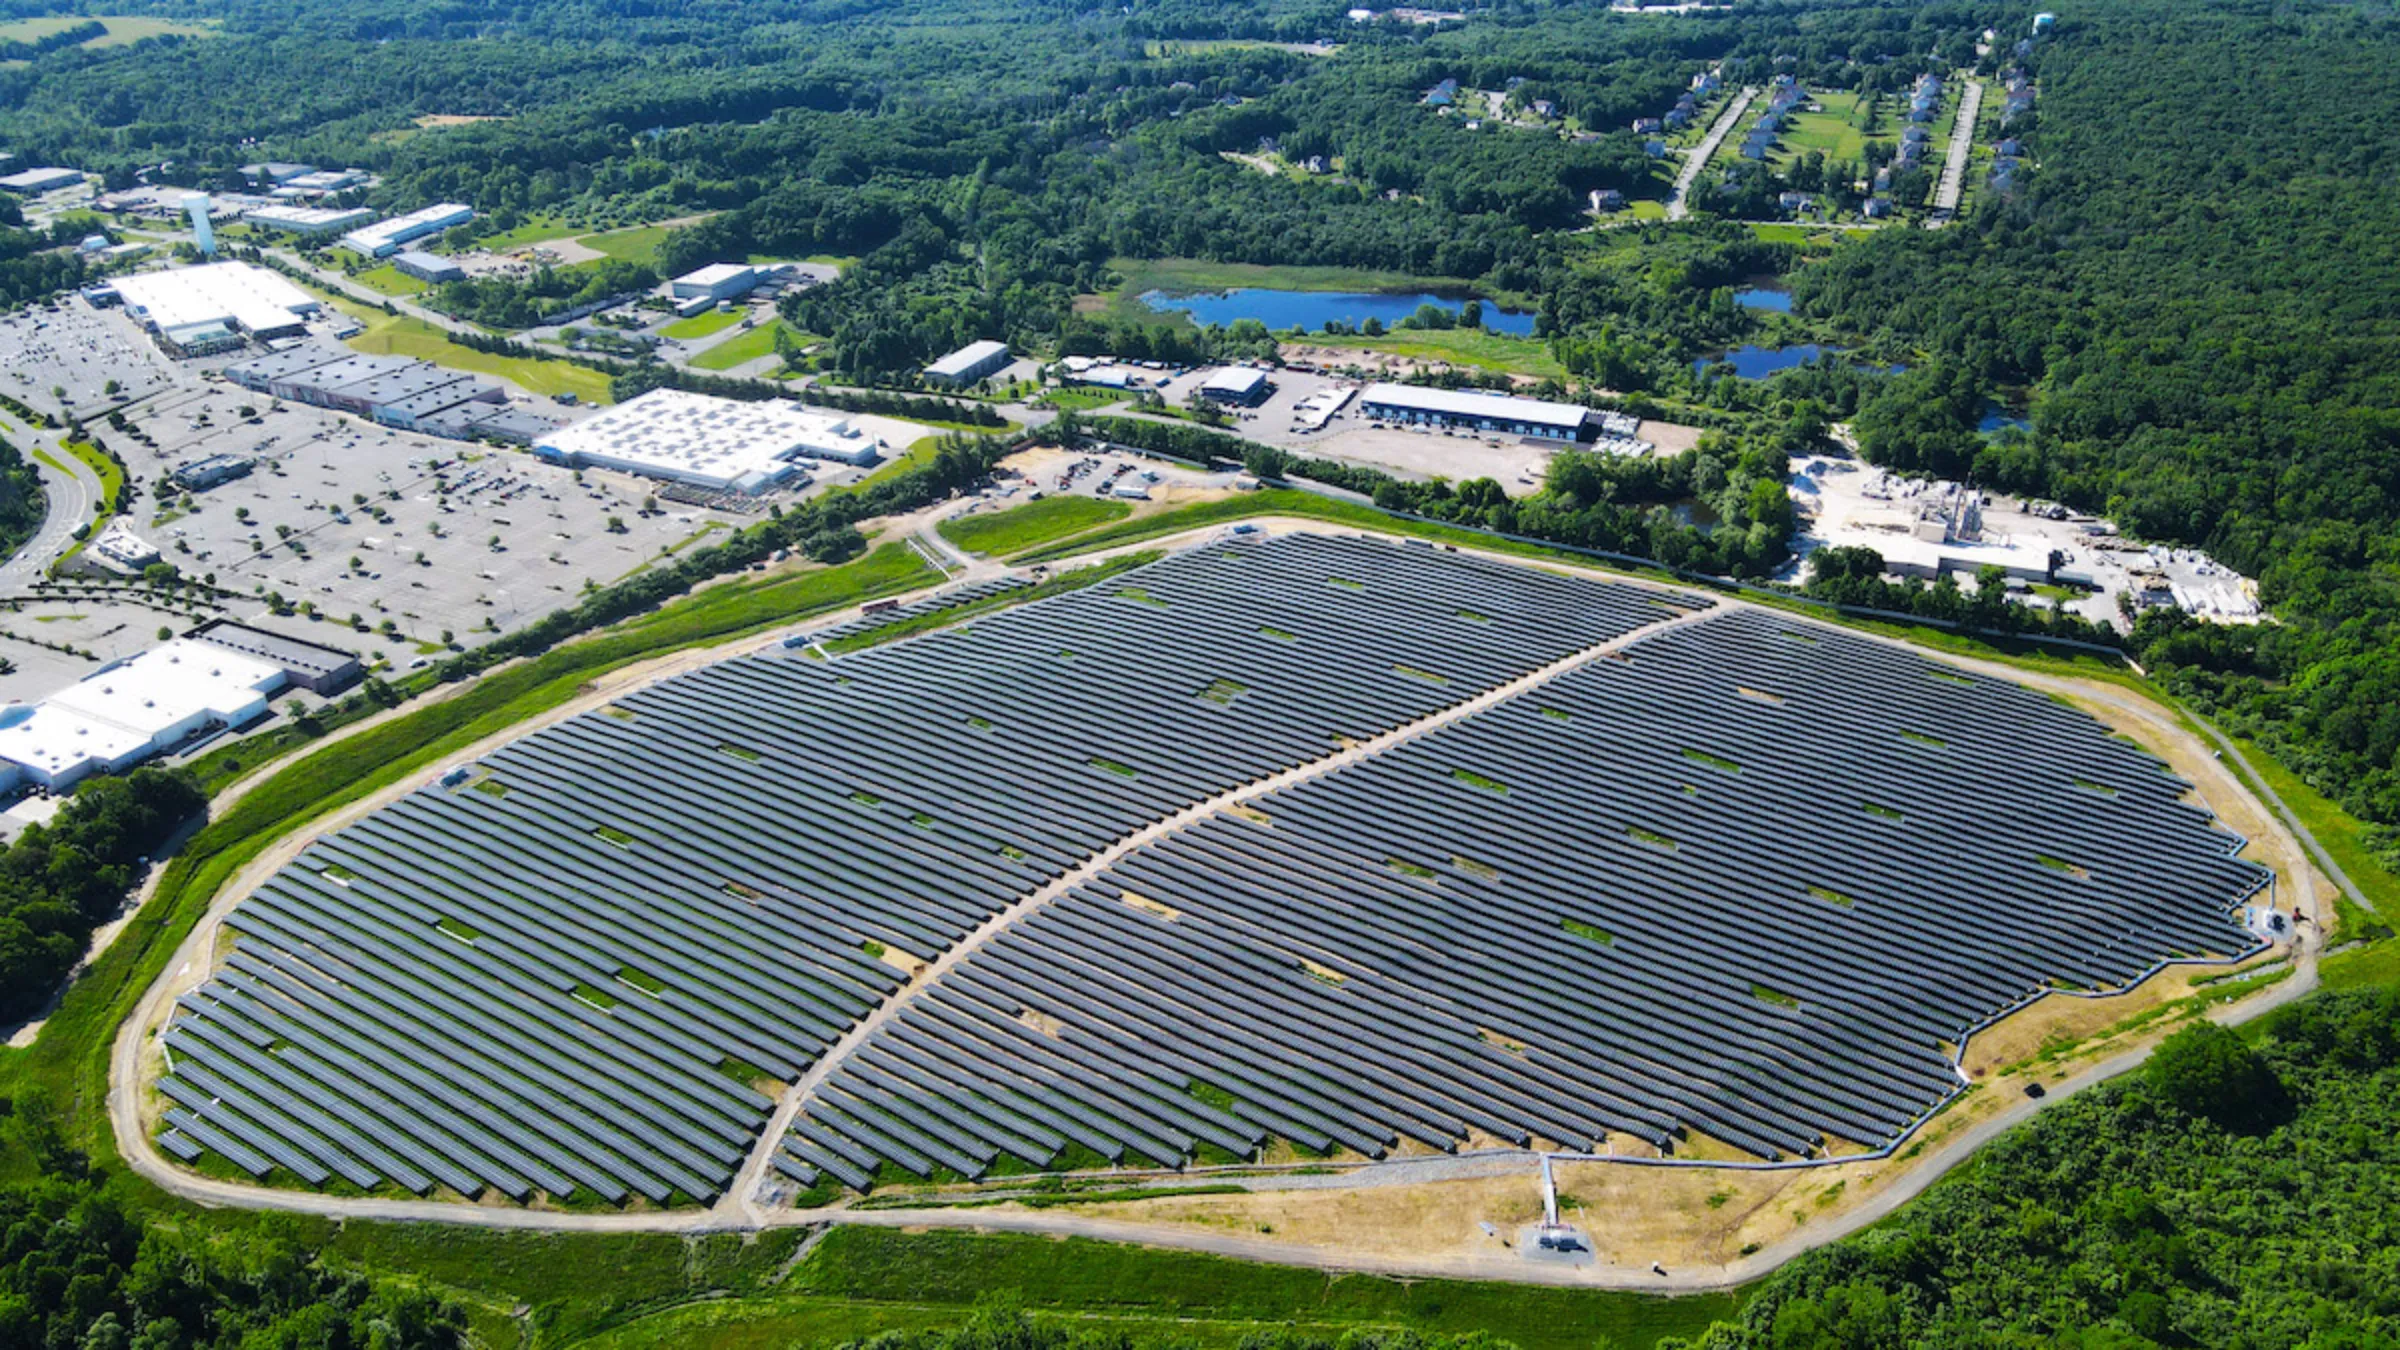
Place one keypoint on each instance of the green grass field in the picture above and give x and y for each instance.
(1833, 132)
(1031, 525)
(748, 347)
(636, 245)
(400, 335)
(707, 322)
(2340, 833)
(1477, 347)
(391, 281)
(539, 230)
(123, 30)
(1077, 399)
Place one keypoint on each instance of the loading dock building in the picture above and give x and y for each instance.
(384, 240)
(34, 182)
(1469, 410)
(968, 364)
(1236, 384)
(427, 267)
(133, 709)
(308, 222)
(715, 282)
(307, 665)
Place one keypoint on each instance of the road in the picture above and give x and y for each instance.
(1954, 169)
(71, 494)
(737, 1211)
(1702, 153)
(367, 295)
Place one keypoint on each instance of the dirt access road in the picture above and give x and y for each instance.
(738, 1210)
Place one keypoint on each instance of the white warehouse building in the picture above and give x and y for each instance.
(717, 281)
(308, 222)
(384, 239)
(719, 444)
(1505, 414)
(132, 709)
(968, 364)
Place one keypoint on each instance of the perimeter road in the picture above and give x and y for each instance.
(1706, 151)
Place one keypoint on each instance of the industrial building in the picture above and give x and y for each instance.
(1236, 384)
(194, 310)
(308, 222)
(384, 239)
(397, 391)
(718, 444)
(1471, 410)
(427, 267)
(322, 181)
(201, 475)
(132, 709)
(307, 665)
(715, 282)
(968, 364)
(34, 182)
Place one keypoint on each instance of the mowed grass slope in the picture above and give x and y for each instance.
(1031, 525)
(400, 335)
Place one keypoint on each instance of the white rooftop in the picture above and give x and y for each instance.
(308, 219)
(967, 358)
(715, 274)
(385, 236)
(1234, 379)
(57, 741)
(670, 433)
(1469, 403)
(168, 684)
(40, 180)
(250, 297)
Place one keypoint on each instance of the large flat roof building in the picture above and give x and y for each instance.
(717, 281)
(319, 669)
(714, 443)
(1502, 413)
(248, 299)
(308, 222)
(132, 709)
(34, 182)
(1235, 384)
(968, 364)
(384, 239)
(427, 266)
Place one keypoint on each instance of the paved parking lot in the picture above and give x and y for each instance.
(71, 347)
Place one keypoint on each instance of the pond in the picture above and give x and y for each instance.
(1282, 310)
(1997, 419)
(1753, 362)
(1776, 298)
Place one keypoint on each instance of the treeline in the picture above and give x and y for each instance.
(2228, 1196)
(1718, 508)
(74, 35)
(78, 1270)
(1853, 575)
(23, 504)
(497, 302)
(2225, 376)
(62, 879)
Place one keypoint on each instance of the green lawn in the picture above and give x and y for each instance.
(122, 30)
(748, 347)
(702, 324)
(1833, 132)
(400, 335)
(1031, 525)
(2341, 834)
(1479, 347)
(636, 245)
(1079, 399)
(391, 281)
(539, 230)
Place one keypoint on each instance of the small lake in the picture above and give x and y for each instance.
(1997, 419)
(1282, 310)
(1753, 362)
(1775, 298)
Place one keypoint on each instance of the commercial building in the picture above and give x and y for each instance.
(717, 281)
(34, 182)
(716, 444)
(321, 182)
(203, 474)
(1474, 411)
(233, 297)
(307, 665)
(1236, 384)
(273, 175)
(308, 222)
(427, 267)
(118, 549)
(394, 390)
(384, 239)
(131, 710)
(968, 364)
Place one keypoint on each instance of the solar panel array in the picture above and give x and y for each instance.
(1746, 880)
(561, 975)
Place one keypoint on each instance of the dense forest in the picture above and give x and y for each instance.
(61, 880)
(2229, 1196)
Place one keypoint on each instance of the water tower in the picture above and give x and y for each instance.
(195, 205)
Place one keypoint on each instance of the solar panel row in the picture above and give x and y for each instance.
(1746, 880)
(569, 972)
